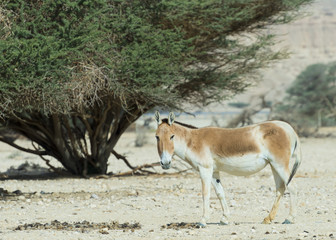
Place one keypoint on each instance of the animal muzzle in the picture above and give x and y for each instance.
(165, 160)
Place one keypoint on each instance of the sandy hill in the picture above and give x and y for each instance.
(311, 39)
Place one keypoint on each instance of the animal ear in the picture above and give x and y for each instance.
(171, 118)
(157, 118)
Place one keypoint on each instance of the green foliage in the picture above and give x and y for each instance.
(312, 96)
(105, 45)
(141, 52)
(74, 74)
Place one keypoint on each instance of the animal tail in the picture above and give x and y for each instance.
(298, 158)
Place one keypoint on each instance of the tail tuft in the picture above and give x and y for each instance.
(298, 158)
(295, 167)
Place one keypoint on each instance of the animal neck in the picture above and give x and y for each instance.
(182, 137)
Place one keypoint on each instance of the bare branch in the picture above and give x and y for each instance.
(40, 153)
(138, 170)
(119, 156)
(47, 161)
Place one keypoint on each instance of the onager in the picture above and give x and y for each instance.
(242, 151)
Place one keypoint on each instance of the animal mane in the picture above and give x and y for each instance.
(165, 120)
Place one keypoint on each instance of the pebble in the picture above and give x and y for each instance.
(94, 196)
(134, 192)
(17, 192)
(233, 203)
(21, 197)
(304, 234)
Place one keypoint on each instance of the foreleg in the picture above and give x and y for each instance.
(206, 176)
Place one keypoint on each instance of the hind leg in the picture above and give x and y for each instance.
(292, 210)
(221, 196)
(280, 189)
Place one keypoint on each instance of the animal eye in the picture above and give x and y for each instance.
(171, 138)
(157, 138)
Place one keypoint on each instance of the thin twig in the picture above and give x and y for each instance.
(46, 160)
(56, 170)
(137, 169)
(119, 156)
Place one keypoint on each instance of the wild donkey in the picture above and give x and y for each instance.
(242, 151)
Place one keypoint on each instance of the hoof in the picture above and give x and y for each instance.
(223, 222)
(287, 222)
(266, 221)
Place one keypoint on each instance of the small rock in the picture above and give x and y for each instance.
(134, 192)
(21, 197)
(94, 196)
(304, 234)
(233, 203)
(17, 192)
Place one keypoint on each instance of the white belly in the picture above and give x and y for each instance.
(240, 165)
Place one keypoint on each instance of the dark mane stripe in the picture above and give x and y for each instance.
(165, 120)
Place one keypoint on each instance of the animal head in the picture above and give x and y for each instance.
(165, 139)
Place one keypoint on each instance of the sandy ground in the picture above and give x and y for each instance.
(155, 201)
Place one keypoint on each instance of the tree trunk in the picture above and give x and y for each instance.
(81, 142)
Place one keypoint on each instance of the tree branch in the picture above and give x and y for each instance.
(140, 168)
(47, 161)
(119, 156)
(40, 153)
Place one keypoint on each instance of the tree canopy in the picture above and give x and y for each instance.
(76, 68)
(311, 98)
(58, 55)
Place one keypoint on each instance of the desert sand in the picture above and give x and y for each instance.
(158, 206)
(90, 208)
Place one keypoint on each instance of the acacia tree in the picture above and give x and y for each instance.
(311, 99)
(74, 74)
